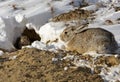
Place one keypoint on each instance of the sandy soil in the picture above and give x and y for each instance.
(32, 65)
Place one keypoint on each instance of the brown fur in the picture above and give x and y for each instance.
(69, 32)
(92, 39)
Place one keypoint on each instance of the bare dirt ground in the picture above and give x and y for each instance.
(32, 65)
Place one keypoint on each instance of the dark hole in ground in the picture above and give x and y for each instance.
(28, 36)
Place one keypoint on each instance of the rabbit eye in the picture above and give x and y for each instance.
(65, 32)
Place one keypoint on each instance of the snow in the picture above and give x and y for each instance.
(1, 52)
(108, 74)
(111, 74)
(65, 68)
(10, 30)
(12, 57)
(91, 7)
(39, 45)
(49, 32)
(17, 14)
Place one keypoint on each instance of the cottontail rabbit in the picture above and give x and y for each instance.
(90, 39)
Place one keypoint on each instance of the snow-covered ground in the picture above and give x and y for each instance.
(15, 15)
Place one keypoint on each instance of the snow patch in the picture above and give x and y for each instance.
(111, 74)
(1, 52)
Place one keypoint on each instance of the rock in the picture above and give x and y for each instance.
(108, 22)
(111, 61)
(28, 36)
(117, 9)
(31, 34)
(24, 40)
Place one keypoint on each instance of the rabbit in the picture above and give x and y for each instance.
(89, 39)
(69, 32)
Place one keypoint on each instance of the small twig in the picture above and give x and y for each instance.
(14, 7)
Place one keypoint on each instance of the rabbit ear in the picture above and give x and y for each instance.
(80, 29)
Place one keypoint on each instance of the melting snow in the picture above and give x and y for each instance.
(1, 53)
(34, 14)
(111, 74)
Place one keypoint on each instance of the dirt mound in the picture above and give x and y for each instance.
(32, 65)
(77, 14)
